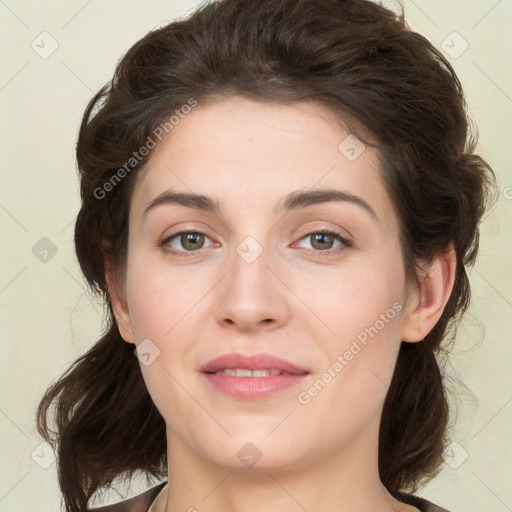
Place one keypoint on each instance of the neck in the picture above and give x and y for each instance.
(342, 480)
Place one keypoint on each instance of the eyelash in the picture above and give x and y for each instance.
(346, 243)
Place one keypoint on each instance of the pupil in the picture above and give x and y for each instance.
(321, 237)
(192, 238)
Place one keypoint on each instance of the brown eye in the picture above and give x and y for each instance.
(325, 242)
(322, 241)
(192, 240)
(184, 242)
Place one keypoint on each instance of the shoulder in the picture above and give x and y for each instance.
(420, 503)
(139, 503)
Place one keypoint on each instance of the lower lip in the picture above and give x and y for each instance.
(252, 388)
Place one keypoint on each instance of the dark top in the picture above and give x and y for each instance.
(142, 502)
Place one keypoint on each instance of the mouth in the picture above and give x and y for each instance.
(243, 372)
(252, 377)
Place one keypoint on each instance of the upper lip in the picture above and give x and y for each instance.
(253, 362)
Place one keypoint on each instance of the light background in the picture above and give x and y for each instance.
(47, 319)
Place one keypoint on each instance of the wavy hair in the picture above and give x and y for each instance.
(390, 85)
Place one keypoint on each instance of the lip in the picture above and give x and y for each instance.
(252, 388)
(255, 362)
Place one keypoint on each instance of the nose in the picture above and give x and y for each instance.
(253, 295)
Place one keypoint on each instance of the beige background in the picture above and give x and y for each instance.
(47, 316)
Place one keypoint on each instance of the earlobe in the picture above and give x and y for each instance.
(426, 304)
(119, 305)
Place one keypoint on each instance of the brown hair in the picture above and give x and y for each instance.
(390, 84)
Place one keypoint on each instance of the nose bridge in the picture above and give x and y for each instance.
(249, 278)
(251, 293)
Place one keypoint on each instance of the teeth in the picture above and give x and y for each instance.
(243, 372)
(260, 373)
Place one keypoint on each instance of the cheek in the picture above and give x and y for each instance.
(162, 317)
(164, 308)
(359, 298)
(363, 309)
(160, 299)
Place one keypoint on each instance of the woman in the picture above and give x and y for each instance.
(279, 200)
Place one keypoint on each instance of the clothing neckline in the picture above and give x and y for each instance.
(143, 501)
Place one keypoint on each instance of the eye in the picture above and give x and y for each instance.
(184, 242)
(324, 242)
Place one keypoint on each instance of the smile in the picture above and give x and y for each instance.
(244, 372)
(252, 377)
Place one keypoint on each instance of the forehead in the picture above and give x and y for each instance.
(249, 154)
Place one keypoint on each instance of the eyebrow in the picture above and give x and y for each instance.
(293, 201)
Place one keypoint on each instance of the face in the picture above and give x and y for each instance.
(318, 283)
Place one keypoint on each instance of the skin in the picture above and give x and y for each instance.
(292, 302)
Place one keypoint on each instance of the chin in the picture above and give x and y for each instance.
(255, 452)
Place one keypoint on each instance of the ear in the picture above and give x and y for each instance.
(119, 305)
(425, 304)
